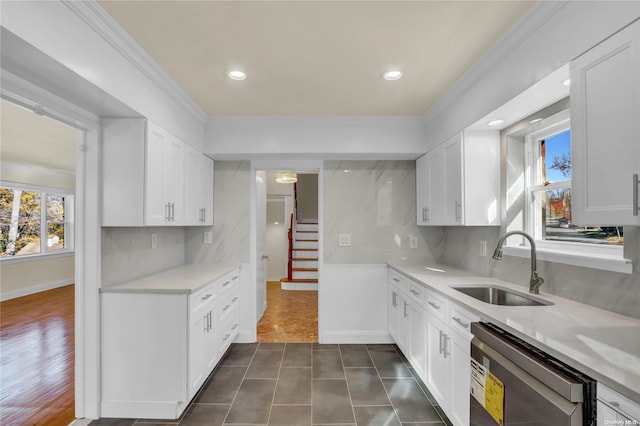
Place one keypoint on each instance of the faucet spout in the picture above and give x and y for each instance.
(535, 281)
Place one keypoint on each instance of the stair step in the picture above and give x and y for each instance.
(314, 241)
(305, 269)
(307, 232)
(299, 280)
(303, 259)
(304, 249)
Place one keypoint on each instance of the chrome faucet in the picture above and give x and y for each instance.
(535, 282)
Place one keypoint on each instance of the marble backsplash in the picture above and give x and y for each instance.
(374, 201)
(127, 252)
(612, 291)
(231, 218)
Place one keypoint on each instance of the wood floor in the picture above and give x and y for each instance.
(291, 316)
(37, 359)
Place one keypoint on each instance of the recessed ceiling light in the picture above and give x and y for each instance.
(495, 123)
(566, 82)
(392, 74)
(236, 75)
(535, 120)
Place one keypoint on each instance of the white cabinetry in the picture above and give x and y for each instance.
(398, 310)
(458, 183)
(145, 179)
(605, 106)
(159, 347)
(198, 188)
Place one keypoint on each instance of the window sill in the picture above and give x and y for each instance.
(35, 257)
(596, 261)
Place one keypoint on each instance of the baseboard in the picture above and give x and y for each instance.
(33, 290)
(298, 286)
(361, 337)
(245, 336)
(81, 422)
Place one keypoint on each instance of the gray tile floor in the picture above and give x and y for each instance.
(308, 384)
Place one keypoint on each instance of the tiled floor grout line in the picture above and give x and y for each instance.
(395, 410)
(241, 382)
(275, 389)
(346, 382)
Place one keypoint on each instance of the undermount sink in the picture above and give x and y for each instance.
(499, 295)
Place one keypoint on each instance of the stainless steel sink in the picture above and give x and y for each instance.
(499, 295)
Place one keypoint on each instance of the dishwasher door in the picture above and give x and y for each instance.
(526, 399)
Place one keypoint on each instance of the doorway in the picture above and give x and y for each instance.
(37, 327)
(290, 257)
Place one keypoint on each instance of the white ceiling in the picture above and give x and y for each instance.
(315, 58)
(35, 141)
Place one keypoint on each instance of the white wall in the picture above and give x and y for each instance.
(32, 276)
(314, 137)
(276, 244)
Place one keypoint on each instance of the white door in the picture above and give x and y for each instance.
(261, 225)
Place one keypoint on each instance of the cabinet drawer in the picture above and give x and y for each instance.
(437, 305)
(619, 403)
(417, 292)
(461, 319)
(229, 280)
(228, 330)
(228, 302)
(198, 299)
(398, 280)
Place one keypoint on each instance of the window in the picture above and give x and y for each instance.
(34, 222)
(548, 165)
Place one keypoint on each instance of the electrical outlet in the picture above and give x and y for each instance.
(413, 241)
(208, 237)
(154, 240)
(483, 248)
(344, 240)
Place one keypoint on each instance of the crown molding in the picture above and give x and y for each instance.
(507, 43)
(107, 28)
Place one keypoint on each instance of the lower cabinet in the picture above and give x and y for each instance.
(158, 348)
(434, 334)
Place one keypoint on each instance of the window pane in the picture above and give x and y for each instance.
(556, 157)
(55, 208)
(55, 237)
(557, 225)
(20, 222)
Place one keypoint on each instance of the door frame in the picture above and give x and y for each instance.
(284, 166)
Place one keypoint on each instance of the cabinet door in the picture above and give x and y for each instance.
(460, 380)
(402, 334)
(605, 106)
(173, 179)
(197, 330)
(422, 189)
(435, 167)
(437, 365)
(156, 210)
(205, 189)
(451, 183)
(417, 338)
(393, 313)
(210, 348)
(191, 176)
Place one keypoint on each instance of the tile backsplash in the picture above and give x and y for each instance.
(374, 202)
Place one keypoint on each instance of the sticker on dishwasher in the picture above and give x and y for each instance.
(488, 390)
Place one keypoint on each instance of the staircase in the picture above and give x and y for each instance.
(302, 271)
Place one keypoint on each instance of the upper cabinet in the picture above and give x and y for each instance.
(605, 124)
(198, 189)
(458, 183)
(149, 176)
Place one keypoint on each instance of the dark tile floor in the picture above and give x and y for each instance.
(308, 384)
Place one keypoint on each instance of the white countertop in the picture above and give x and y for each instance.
(181, 279)
(601, 344)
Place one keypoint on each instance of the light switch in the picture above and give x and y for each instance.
(413, 241)
(344, 240)
(208, 237)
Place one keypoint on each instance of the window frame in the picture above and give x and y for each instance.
(600, 256)
(69, 206)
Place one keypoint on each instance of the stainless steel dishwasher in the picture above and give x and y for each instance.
(514, 383)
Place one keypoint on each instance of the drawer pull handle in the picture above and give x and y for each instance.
(234, 278)
(226, 307)
(234, 326)
(459, 321)
(234, 299)
(417, 293)
(226, 283)
(396, 280)
(224, 339)
(206, 297)
(434, 305)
